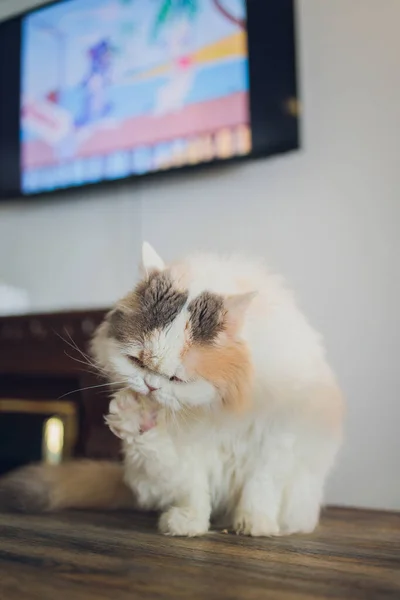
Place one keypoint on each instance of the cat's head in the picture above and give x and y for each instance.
(179, 346)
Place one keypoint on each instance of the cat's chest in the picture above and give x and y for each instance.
(231, 459)
(225, 450)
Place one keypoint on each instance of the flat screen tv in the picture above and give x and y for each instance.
(97, 90)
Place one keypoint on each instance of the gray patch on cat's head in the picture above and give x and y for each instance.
(206, 317)
(154, 304)
(160, 302)
(121, 325)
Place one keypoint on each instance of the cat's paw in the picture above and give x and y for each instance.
(121, 429)
(123, 403)
(301, 507)
(129, 417)
(148, 420)
(255, 524)
(298, 520)
(185, 522)
(124, 416)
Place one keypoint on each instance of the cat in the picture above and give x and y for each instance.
(226, 406)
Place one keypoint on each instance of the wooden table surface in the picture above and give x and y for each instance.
(95, 556)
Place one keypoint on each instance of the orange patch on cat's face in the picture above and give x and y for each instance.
(228, 367)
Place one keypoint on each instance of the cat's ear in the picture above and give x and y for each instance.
(151, 261)
(236, 307)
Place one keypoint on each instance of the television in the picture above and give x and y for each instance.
(100, 90)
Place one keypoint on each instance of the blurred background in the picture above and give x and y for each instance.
(326, 216)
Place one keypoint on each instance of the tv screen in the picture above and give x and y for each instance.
(109, 89)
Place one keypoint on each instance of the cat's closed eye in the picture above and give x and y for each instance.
(136, 361)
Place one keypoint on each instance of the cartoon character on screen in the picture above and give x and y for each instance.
(96, 84)
(173, 27)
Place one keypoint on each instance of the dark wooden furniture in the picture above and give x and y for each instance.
(355, 554)
(41, 359)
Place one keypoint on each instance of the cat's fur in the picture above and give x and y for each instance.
(227, 409)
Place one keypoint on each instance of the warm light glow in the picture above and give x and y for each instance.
(53, 440)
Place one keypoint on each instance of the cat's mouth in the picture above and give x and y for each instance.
(151, 388)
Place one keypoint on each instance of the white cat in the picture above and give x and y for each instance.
(228, 410)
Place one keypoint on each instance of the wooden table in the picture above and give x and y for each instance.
(355, 554)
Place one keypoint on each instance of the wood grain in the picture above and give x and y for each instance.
(355, 554)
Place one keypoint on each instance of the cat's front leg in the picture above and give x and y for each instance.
(258, 509)
(284, 493)
(301, 502)
(189, 517)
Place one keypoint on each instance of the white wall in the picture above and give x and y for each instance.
(78, 252)
(327, 217)
(71, 252)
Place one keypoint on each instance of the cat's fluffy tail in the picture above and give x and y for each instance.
(77, 484)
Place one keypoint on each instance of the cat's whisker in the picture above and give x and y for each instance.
(72, 344)
(170, 417)
(98, 371)
(87, 361)
(81, 352)
(175, 419)
(92, 387)
(189, 415)
(111, 396)
(183, 416)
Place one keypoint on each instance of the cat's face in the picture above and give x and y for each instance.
(179, 348)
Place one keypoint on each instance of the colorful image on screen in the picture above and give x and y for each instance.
(113, 88)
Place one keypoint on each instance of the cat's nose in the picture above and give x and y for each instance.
(151, 388)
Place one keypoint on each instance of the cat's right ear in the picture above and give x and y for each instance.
(236, 307)
(151, 261)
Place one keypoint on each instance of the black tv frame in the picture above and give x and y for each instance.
(274, 95)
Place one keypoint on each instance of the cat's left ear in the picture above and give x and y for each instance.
(151, 261)
(236, 307)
